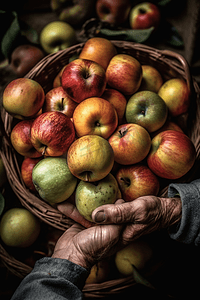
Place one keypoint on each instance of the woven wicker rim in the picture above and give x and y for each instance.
(170, 65)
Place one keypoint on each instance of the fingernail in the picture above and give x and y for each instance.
(100, 216)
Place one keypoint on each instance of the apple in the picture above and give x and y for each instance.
(53, 179)
(90, 195)
(90, 158)
(23, 98)
(99, 50)
(147, 109)
(99, 272)
(176, 95)
(19, 228)
(57, 35)
(57, 79)
(130, 143)
(124, 73)
(113, 12)
(95, 116)
(73, 12)
(118, 100)
(21, 139)
(144, 15)
(151, 79)
(82, 79)
(26, 171)
(24, 58)
(172, 154)
(3, 176)
(136, 181)
(137, 253)
(52, 133)
(58, 100)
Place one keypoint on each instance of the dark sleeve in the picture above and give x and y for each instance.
(52, 278)
(188, 230)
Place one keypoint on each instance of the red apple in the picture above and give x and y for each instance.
(58, 100)
(95, 116)
(114, 12)
(82, 79)
(118, 100)
(99, 50)
(124, 73)
(144, 15)
(136, 181)
(131, 144)
(176, 95)
(52, 133)
(23, 98)
(26, 171)
(172, 154)
(24, 58)
(21, 139)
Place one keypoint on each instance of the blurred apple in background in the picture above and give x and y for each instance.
(53, 179)
(58, 100)
(82, 79)
(99, 50)
(24, 58)
(95, 116)
(146, 109)
(26, 171)
(176, 95)
(90, 195)
(118, 100)
(21, 139)
(151, 79)
(23, 98)
(172, 154)
(131, 144)
(90, 158)
(114, 12)
(52, 133)
(124, 73)
(57, 36)
(137, 180)
(144, 15)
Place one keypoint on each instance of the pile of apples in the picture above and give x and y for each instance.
(103, 131)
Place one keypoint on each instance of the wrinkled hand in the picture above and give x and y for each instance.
(141, 216)
(87, 246)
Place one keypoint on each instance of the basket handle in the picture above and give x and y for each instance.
(183, 62)
(3, 131)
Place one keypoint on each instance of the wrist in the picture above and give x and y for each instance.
(172, 208)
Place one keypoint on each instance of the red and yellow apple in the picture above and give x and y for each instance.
(26, 171)
(57, 79)
(90, 158)
(176, 95)
(58, 100)
(23, 98)
(21, 139)
(151, 79)
(118, 100)
(99, 50)
(130, 143)
(124, 73)
(82, 79)
(136, 181)
(144, 15)
(52, 133)
(146, 109)
(95, 116)
(172, 154)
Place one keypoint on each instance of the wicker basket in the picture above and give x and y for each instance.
(170, 65)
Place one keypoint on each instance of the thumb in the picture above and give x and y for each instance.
(117, 213)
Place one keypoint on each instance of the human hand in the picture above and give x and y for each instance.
(140, 216)
(87, 246)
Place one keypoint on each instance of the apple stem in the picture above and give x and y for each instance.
(126, 181)
(62, 103)
(122, 132)
(87, 176)
(142, 11)
(43, 152)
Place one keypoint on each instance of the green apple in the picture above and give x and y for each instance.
(57, 36)
(90, 195)
(146, 109)
(53, 179)
(19, 228)
(3, 176)
(137, 253)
